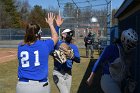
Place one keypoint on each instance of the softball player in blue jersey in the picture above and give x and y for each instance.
(62, 74)
(117, 60)
(33, 56)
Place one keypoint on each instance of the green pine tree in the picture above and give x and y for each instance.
(12, 13)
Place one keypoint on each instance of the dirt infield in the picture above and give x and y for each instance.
(7, 54)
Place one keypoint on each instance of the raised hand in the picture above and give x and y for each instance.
(59, 20)
(54, 34)
(50, 18)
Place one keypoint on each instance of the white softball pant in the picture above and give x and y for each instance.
(108, 85)
(32, 87)
(63, 82)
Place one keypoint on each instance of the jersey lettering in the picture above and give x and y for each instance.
(37, 63)
(25, 58)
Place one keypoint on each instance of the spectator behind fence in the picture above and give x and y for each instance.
(89, 40)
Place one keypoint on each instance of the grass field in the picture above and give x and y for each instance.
(80, 72)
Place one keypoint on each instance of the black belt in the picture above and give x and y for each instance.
(27, 80)
(63, 71)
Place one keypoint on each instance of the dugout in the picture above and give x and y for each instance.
(129, 17)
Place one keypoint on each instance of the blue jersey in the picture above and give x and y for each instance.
(33, 59)
(109, 54)
(69, 62)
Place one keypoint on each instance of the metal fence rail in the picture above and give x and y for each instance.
(11, 37)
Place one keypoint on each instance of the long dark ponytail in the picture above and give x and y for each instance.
(31, 34)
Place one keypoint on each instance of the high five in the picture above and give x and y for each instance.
(33, 55)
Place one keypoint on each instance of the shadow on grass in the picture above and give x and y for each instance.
(95, 87)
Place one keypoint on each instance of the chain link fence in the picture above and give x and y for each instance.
(11, 37)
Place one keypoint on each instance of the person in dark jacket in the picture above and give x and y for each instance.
(89, 40)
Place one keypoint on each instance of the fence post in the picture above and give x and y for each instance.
(10, 33)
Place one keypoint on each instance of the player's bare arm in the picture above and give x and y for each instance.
(50, 20)
(90, 79)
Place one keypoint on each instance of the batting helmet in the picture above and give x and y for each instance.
(129, 39)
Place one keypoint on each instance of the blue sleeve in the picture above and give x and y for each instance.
(50, 44)
(76, 57)
(57, 29)
(106, 54)
(57, 44)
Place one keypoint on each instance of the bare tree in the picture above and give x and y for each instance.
(23, 9)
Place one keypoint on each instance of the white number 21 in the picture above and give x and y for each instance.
(25, 58)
